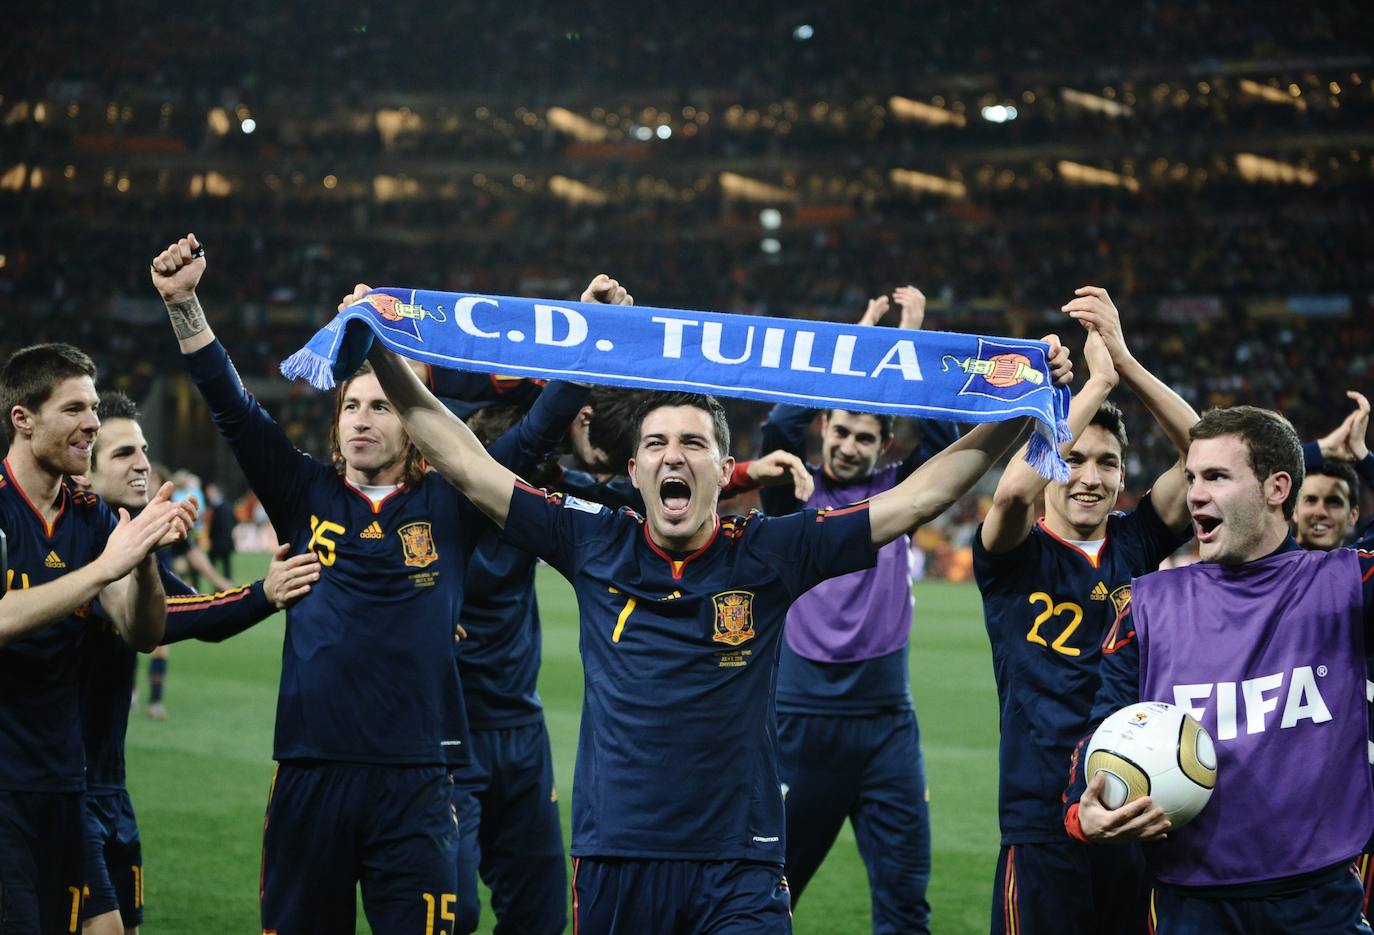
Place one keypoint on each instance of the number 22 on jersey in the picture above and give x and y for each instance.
(1061, 610)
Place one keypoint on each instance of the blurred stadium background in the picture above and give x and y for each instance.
(1211, 164)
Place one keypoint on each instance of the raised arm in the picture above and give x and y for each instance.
(176, 272)
(1009, 521)
(447, 444)
(1092, 307)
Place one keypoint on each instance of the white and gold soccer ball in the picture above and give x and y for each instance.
(1155, 749)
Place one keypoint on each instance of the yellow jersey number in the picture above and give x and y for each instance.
(445, 904)
(320, 542)
(1052, 609)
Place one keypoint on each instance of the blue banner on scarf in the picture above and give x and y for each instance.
(930, 374)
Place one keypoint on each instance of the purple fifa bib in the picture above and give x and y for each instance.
(1270, 657)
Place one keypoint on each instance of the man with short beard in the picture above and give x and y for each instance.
(1265, 643)
(677, 818)
(66, 549)
(114, 854)
(849, 743)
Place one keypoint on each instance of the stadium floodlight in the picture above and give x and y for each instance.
(575, 192)
(913, 181)
(1270, 94)
(747, 189)
(904, 108)
(770, 245)
(770, 219)
(1079, 174)
(803, 32)
(1095, 103)
(1254, 168)
(999, 113)
(575, 125)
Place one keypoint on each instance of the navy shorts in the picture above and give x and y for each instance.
(1068, 888)
(1329, 905)
(509, 832)
(870, 770)
(331, 826)
(618, 896)
(114, 858)
(41, 836)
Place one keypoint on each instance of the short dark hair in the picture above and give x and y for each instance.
(1341, 470)
(887, 424)
(1109, 417)
(32, 373)
(614, 427)
(707, 404)
(1270, 440)
(113, 405)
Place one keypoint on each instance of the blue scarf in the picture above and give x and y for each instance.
(930, 374)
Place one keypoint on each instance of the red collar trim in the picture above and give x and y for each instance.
(1092, 560)
(61, 494)
(678, 565)
(374, 507)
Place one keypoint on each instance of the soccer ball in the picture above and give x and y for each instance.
(1155, 749)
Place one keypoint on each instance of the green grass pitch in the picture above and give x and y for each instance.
(199, 780)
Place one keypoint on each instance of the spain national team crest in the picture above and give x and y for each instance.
(1121, 599)
(734, 617)
(418, 542)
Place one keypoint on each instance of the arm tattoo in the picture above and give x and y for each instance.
(188, 318)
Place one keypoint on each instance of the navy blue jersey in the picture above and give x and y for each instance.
(877, 683)
(40, 724)
(109, 663)
(677, 755)
(368, 668)
(1047, 605)
(499, 658)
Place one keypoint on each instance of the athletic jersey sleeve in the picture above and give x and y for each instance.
(615, 493)
(277, 471)
(532, 440)
(1155, 540)
(559, 528)
(813, 545)
(785, 429)
(211, 618)
(1365, 550)
(1120, 673)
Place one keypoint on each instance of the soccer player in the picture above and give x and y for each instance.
(114, 855)
(1265, 643)
(1051, 589)
(370, 713)
(65, 549)
(677, 816)
(848, 741)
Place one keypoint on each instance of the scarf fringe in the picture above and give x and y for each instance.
(315, 369)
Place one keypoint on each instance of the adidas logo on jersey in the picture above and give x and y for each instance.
(52, 561)
(1099, 592)
(373, 531)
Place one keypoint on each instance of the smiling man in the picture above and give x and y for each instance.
(677, 817)
(849, 743)
(1051, 589)
(65, 549)
(114, 853)
(1263, 642)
